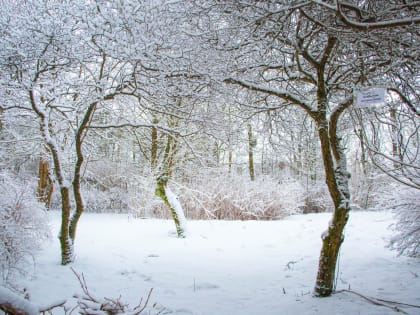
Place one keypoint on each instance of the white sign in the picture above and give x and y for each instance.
(370, 97)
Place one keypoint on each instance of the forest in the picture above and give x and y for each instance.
(206, 110)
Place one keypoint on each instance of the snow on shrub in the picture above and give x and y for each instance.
(23, 226)
(317, 199)
(217, 196)
(405, 202)
(108, 186)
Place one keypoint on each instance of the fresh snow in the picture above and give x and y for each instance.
(228, 267)
(17, 302)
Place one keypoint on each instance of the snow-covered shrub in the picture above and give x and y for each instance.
(405, 202)
(317, 199)
(362, 191)
(108, 187)
(23, 226)
(105, 187)
(219, 196)
(369, 191)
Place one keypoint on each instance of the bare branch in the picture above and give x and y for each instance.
(405, 100)
(284, 95)
(376, 25)
(90, 305)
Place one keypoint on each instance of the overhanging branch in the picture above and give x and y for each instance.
(375, 25)
(282, 94)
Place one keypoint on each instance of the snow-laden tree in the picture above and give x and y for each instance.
(313, 55)
(64, 62)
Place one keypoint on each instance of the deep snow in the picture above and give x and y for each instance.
(228, 267)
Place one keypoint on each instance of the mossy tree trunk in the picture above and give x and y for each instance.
(337, 176)
(66, 244)
(160, 191)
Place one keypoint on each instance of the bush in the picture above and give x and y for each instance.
(218, 196)
(405, 202)
(108, 187)
(23, 226)
(317, 199)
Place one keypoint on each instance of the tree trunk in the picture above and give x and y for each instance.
(154, 146)
(78, 199)
(396, 153)
(45, 183)
(337, 182)
(66, 243)
(169, 156)
(251, 145)
(230, 156)
(363, 158)
(216, 153)
(176, 211)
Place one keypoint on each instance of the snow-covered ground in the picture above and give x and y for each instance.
(228, 267)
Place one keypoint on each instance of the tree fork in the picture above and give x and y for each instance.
(336, 179)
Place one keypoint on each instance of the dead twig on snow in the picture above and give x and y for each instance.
(381, 302)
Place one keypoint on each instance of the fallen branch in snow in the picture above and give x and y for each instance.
(11, 303)
(91, 305)
(381, 302)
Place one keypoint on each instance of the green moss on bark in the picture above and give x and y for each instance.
(160, 192)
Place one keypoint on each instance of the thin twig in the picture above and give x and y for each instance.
(145, 304)
(381, 302)
(51, 307)
(109, 305)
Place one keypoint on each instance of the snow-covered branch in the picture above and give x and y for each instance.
(405, 100)
(366, 26)
(282, 94)
(13, 304)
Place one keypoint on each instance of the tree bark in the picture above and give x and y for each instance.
(81, 133)
(161, 193)
(45, 183)
(251, 145)
(337, 182)
(66, 244)
(154, 145)
(169, 155)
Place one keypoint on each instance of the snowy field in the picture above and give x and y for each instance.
(228, 267)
